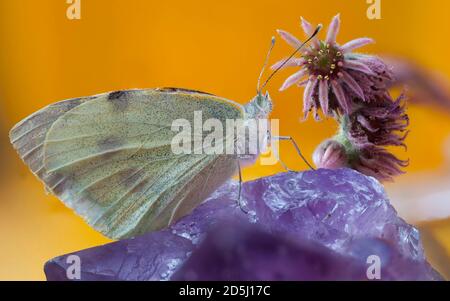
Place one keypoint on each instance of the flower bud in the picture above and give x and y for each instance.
(330, 154)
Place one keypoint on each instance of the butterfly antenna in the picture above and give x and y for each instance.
(319, 27)
(272, 44)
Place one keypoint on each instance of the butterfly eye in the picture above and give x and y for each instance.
(260, 100)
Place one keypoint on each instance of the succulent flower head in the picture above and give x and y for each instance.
(327, 67)
(372, 161)
(362, 136)
(380, 123)
(377, 162)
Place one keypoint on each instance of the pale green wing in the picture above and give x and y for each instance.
(28, 136)
(110, 159)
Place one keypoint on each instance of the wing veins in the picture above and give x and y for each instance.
(174, 211)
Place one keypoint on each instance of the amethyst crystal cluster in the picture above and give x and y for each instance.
(316, 225)
(353, 88)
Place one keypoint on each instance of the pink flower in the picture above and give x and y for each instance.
(362, 137)
(372, 161)
(330, 71)
(383, 122)
(354, 89)
(374, 85)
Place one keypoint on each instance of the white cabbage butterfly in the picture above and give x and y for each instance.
(109, 157)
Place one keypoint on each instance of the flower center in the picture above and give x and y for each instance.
(325, 62)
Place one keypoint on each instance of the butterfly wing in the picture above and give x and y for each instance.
(110, 158)
(28, 136)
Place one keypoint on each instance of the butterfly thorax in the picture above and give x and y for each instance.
(257, 129)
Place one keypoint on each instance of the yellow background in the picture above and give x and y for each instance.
(213, 46)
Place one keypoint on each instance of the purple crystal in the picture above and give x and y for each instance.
(240, 252)
(150, 257)
(333, 217)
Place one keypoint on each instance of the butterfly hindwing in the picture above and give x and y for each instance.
(28, 136)
(110, 158)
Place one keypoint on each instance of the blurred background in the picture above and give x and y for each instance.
(217, 47)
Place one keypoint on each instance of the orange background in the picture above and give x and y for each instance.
(213, 46)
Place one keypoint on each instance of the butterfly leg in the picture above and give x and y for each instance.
(289, 138)
(241, 206)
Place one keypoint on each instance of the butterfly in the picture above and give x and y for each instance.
(109, 156)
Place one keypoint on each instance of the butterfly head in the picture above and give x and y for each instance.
(260, 106)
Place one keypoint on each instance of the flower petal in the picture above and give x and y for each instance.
(309, 30)
(289, 38)
(357, 43)
(359, 66)
(333, 30)
(340, 95)
(302, 83)
(308, 95)
(323, 96)
(335, 157)
(316, 114)
(307, 27)
(353, 85)
(369, 172)
(366, 124)
(294, 78)
(293, 62)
